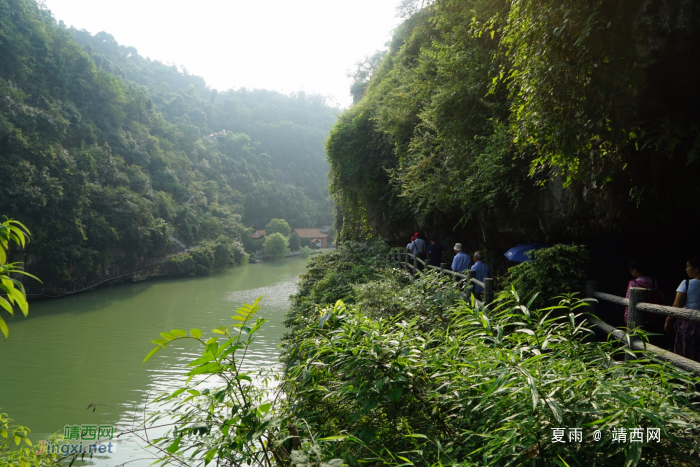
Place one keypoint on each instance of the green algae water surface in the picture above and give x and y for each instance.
(87, 349)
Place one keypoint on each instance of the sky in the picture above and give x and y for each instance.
(282, 45)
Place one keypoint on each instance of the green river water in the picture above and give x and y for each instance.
(87, 349)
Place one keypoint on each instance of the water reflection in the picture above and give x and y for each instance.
(86, 349)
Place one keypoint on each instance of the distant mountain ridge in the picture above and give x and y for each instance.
(104, 154)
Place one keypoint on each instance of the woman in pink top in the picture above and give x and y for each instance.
(654, 324)
(641, 280)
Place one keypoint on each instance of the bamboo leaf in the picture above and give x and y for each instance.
(3, 328)
(151, 353)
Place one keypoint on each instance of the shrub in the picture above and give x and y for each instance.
(208, 257)
(553, 271)
(332, 274)
(276, 245)
(405, 368)
(305, 252)
(294, 242)
(305, 242)
(488, 388)
(426, 298)
(236, 421)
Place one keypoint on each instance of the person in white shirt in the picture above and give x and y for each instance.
(411, 245)
(687, 296)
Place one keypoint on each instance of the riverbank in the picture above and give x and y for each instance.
(293, 254)
(202, 260)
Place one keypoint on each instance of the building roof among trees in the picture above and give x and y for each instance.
(310, 233)
(259, 233)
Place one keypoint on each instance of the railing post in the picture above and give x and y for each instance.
(591, 287)
(443, 266)
(415, 265)
(488, 290)
(635, 318)
(470, 284)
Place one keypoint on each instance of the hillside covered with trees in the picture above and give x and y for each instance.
(105, 155)
(497, 123)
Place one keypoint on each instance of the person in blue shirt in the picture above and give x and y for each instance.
(420, 250)
(461, 261)
(419, 247)
(482, 272)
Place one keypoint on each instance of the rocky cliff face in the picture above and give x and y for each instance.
(637, 200)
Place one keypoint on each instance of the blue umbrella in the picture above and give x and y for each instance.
(518, 253)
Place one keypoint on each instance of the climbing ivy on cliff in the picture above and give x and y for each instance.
(482, 106)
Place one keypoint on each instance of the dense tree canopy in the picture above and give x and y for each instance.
(105, 155)
(278, 225)
(504, 115)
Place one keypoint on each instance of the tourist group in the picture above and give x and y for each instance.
(461, 262)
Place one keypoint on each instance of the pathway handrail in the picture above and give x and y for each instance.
(612, 298)
(637, 306)
(411, 262)
(665, 310)
(683, 313)
(638, 344)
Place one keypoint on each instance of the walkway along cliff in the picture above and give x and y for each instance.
(498, 123)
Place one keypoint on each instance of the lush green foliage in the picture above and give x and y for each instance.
(276, 245)
(427, 298)
(208, 257)
(428, 118)
(294, 242)
(12, 231)
(416, 374)
(104, 154)
(305, 252)
(238, 423)
(17, 450)
(557, 269)
(573, 75)
(332, 274)
(477, 105)
(278, 225)
(412, 375)
(305, 242)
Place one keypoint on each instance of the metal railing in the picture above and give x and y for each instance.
(638, 307)
(637, 303)
(412, 263)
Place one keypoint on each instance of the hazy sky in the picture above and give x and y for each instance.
(283, 45)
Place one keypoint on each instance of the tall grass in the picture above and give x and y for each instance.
(483, 387)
